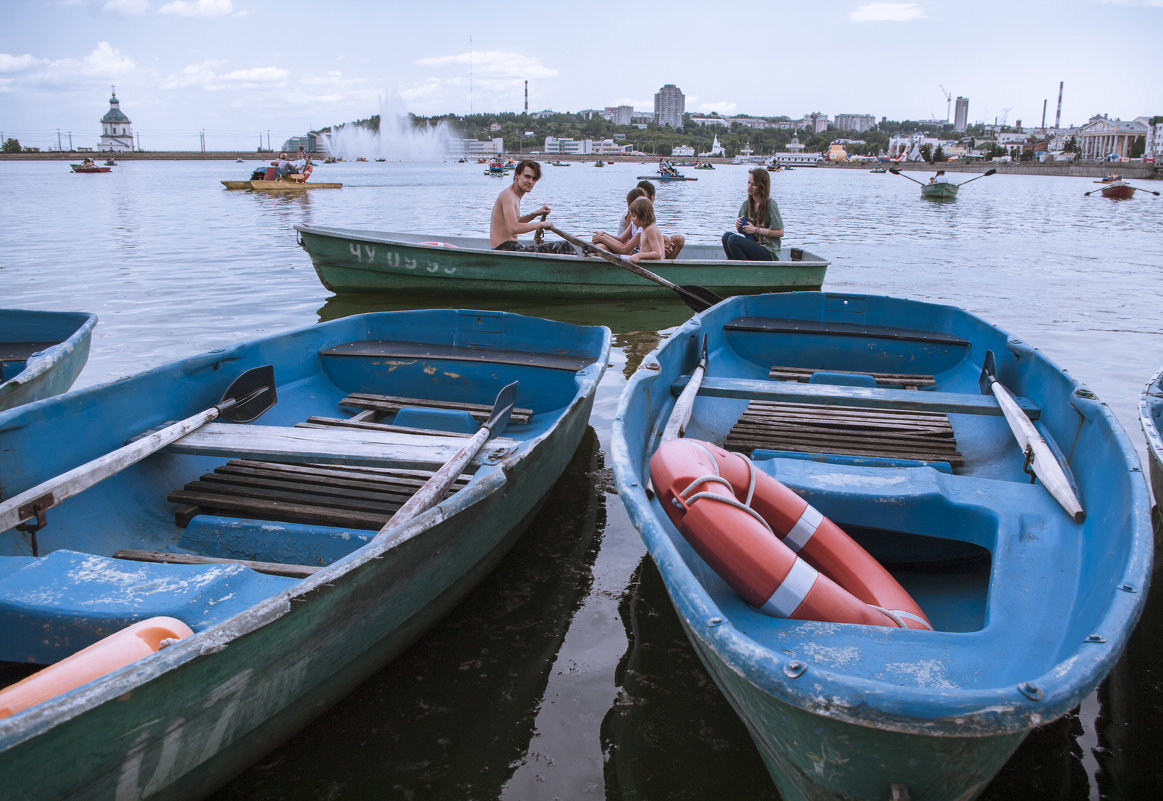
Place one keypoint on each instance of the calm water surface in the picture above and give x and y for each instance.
(566, 674)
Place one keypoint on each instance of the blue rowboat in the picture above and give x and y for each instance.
(1151, 419)
(872, 409)
(269, 567)
(41, 353)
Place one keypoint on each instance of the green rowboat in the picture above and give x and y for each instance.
(369, 261)
(941, 191)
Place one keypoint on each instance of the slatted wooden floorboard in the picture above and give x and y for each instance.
(855, 431)
(329, 495)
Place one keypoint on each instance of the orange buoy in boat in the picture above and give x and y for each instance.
(770, 545)
(102, 657)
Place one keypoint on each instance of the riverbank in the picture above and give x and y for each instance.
(1095, 169)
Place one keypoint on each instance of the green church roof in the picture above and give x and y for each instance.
(114, 113)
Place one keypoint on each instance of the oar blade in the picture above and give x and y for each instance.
(502, 410)
(699, 298)
(988, 373)
(249, 396)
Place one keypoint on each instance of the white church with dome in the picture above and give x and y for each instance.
(116, 130)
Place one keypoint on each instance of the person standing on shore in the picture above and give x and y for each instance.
(759, 227)
(507, 222)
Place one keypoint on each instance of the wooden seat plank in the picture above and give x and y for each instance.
(792, 326)
(392, 349)
(257, 509)
(875, 397)
(330, 445)
(273, 568)
(389, 404)
(803, 374)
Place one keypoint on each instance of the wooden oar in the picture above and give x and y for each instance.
(895, 171)
(251, 394)
(697, 297)
(985, 174)
(680, 415)
(1107, 186)
(434, 488)
(1038, 454)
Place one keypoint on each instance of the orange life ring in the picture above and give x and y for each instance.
(102, 657)
(772, 547)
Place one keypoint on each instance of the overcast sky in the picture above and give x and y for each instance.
(235, 68)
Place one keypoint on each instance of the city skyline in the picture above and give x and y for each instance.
(188, 71)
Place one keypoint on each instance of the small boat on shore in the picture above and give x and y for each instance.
(230, 581)
(349, 260)
(41, 353)
(892, 434)
(1151, 419)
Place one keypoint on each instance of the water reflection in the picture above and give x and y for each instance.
(453, 715)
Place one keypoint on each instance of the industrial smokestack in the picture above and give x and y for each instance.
(526, 97)
(1058, 116)
(1044, 112)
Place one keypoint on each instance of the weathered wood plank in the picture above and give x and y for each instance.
(391, 403)
(330, 445)
(273, 510)
(759, 389)
(316, 421)
(908, 380)
(273, 568)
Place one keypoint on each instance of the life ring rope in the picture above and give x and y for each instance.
(802, 576)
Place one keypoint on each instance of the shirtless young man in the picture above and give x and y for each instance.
(507, 221)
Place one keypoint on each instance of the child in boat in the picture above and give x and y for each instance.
(648, 239)
(621, 243)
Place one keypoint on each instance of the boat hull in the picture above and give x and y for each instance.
(844, 711)
(1120, 192)
(280, 186)
(87, 170)
(367, 261)
(945, 191)
(182, 722)
(1151, 420)
(48, 350)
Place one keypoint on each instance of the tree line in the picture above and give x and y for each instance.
(527, 132)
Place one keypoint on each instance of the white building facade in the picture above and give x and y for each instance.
(116, 129)
(1103, 137)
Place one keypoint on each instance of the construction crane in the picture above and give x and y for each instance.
(948, 103)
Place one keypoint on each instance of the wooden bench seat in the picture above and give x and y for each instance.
(874, 397)
(391, 349)
(902, 380)
(390, 404)
(782, 325)
(333, 445)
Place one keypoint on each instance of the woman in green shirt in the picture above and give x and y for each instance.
(759, 225)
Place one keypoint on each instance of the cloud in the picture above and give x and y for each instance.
(207, 75)
(126, 8)
(724, 108)
(197, 8)
(10, 63)
(493, 64)
(887, 12)
(1149, 3)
